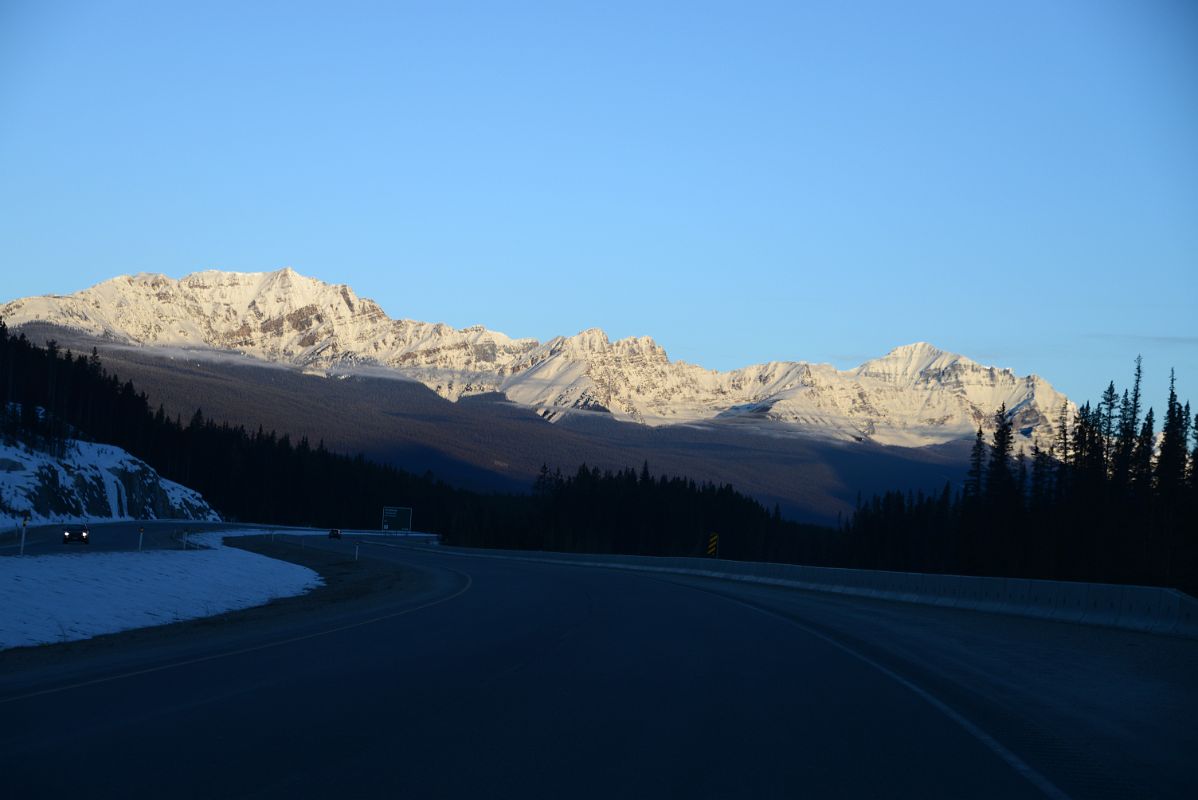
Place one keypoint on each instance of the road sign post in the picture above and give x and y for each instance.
(141, 532)
(713, 545)
(24, 525)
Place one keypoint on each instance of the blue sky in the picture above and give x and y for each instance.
(743, 181)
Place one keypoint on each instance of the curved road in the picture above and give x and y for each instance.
(484, 677)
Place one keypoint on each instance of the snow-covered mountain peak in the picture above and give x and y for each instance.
(916, 353)
(908, 364)
(592, 340)
(915, 394)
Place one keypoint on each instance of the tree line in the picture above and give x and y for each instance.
(1111, 499)
(50, 396)
(636, 513)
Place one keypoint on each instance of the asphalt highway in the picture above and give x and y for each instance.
(106, 536)
(483, 677)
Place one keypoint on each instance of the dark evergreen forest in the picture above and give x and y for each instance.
(1112, 500)
(265, 477)
(1107, 502)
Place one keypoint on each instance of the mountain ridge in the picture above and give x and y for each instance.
(917, 394)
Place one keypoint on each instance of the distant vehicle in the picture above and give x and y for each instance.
(335, 533)
(75, 533)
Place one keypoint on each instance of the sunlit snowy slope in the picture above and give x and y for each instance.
(915, 395)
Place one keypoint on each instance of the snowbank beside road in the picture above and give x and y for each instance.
(60, 598)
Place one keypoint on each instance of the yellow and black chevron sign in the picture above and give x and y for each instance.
(713, 545)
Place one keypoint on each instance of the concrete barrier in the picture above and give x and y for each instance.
(1187, 617)
(1102, 605)
(950, 594)
(1068, 599)
(1150, 609)
(1140, 608)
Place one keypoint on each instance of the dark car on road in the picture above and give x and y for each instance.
(335, 533)
(75, 533)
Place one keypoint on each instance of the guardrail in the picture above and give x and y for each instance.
(415, 536)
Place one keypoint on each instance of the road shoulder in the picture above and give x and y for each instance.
(352, 589)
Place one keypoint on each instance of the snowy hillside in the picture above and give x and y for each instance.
(915, 395)
(92, 482)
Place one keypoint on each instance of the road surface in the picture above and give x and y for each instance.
(460, 676)
(107, 536)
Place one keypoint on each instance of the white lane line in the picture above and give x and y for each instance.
(1047, 787)
(244, 650)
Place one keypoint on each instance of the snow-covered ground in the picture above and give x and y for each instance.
(60, 598)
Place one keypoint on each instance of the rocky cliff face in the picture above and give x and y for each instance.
(90, 482)
(277, 316)
(914, 395)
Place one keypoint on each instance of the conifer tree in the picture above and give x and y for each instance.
(974, 478)
(1060, 449)
(1000, 488)
(1021, 478)
(1041, 475)
(1171, 462)
(1194, 469)
(1062, 441)
(1142, 456)
(1129, 426)
(1121, 457)
(1107, 407)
